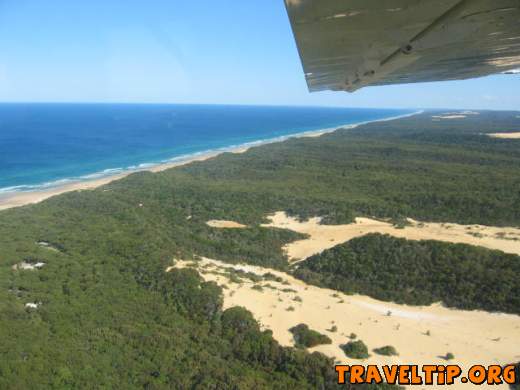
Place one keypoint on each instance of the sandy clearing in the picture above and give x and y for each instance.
(225, 224)
(455, 115)
(472, 336)
(48, 246)
(449, 116)
(28, 266)
(323, 237)
(505, 135)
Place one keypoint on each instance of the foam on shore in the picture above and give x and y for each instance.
(16, 196)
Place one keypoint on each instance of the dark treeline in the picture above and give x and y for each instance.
(419, 273)
(110, 315)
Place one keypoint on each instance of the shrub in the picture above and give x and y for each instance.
(272, 277)
(449, 356)
(355, 349)
(333, 329)
(387, 350)
(308, 338)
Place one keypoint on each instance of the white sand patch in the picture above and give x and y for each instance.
(224, 224)
(323, 237)
(449, 116)
(48, 246)
(32, 305)
(455, 115)
(505, 135)
(474, 337)
(28, 266)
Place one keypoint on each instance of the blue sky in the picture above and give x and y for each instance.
(188, 51)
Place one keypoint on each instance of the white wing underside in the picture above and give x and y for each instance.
(350, 44)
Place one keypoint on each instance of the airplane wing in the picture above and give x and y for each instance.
(345, 45)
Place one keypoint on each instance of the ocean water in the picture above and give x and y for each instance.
(45, 145)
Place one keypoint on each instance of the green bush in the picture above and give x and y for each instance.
(449, 356)
(333, 329)
(308, 338)
(386, 351)
(355, 349)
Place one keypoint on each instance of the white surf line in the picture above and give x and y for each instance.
(15, 197)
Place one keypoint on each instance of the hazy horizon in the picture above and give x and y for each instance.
(126, 52)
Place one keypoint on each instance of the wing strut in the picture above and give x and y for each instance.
(404, 55)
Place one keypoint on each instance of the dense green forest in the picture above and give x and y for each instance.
(419, 273)
(109, 315)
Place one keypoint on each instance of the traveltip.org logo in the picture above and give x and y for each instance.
(431, 374)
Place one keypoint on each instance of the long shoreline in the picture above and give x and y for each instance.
(21, 198)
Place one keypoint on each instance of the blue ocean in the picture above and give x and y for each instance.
(45, 145)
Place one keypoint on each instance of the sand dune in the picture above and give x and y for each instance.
(505, 135)
(420, 334)
(323, 237)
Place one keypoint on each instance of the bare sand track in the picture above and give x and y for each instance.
(421, 335)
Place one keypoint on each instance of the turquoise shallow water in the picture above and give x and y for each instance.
(44, 145)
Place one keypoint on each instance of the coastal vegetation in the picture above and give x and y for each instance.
(109, 315)
(387, 350)
(304, 337)
(355, 349)
(419, 273)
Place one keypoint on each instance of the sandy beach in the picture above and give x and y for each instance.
(21, 198)
(16, 199)
(422, 335)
